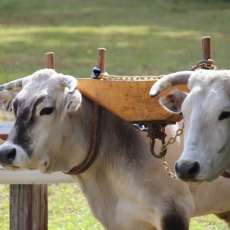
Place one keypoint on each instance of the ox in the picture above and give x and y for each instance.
(126, 187)
(206, 112)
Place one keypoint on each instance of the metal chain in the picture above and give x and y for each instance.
(172, 140)
(167, 168)
(129, 78)
(205, 64)
(163, 151)
(156, 131)
(97, 74)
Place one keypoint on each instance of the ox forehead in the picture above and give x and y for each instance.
(206, 112)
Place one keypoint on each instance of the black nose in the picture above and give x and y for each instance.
(187, 170)
(7, 154)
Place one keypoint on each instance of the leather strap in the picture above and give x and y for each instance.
(94, 144)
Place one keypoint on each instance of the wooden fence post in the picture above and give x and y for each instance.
(28, 207)
(101, 59)
(29, 203)
(49, 60)
(206, 47)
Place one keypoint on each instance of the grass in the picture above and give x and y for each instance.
(142, 37)
(68, 210)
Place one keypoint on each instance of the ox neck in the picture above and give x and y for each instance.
(93, 145)
(118, 138)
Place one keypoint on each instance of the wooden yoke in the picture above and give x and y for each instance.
(125, 96)
(128, 96)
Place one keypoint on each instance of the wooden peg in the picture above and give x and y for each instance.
(101, 59)
(206, 47)
(49, 60)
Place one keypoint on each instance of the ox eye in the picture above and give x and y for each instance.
(46, 111)
(224, 115)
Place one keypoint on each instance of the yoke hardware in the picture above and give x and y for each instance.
(205, 64)
(157, 131)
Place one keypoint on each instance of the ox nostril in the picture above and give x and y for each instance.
(11, 154)
(7, 154)
(187, 169)
(194, 169)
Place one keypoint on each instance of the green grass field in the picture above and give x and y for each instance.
(142, 37)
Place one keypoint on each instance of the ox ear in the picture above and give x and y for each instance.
(173, 101)
(6, 98)
(73, 101)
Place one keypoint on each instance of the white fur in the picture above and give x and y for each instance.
(207, 137)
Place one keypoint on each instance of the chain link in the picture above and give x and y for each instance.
(172, 140)
(163, 151)
(205, 64)
(129, 78)
(167, 168)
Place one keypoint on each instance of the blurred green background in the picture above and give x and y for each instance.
(142, 37)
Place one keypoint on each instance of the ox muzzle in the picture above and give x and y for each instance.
(12, 155)
(187, 170)
(7, 154)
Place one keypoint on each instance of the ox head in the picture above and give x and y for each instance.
(206, 112)
(41, 103)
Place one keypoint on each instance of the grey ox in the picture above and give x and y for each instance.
(127, 188)
(206, 112)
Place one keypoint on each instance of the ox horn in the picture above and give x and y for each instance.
(69, 82)
(169, 80)
(15, 85)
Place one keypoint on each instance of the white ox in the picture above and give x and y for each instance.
(206, 113)
(126, 187)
